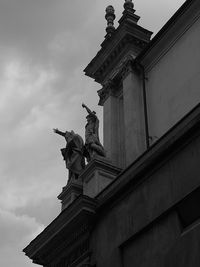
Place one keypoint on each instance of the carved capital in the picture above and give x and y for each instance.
(109, 88)
(129, 65)
(126, 69)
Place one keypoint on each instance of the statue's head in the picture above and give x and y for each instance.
(69, 135)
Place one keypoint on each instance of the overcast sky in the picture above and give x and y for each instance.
(44, 47)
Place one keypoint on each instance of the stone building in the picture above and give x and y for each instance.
(139, 206)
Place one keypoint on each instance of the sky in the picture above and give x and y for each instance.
(44, 47)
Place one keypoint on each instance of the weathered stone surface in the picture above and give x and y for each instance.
(134, 119)
(98, 174)
(70, 192)
(140, 220)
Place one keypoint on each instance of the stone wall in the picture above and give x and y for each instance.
(145, 225)
(173, 73)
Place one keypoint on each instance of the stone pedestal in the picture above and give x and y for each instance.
(98, 174)
(70, 192)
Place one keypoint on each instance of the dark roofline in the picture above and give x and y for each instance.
(164, 29)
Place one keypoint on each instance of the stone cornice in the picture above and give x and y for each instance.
(97, 163)
(80, 256)
(63, 231)
(67, 247)
(106, 60)
(67, 188)
(125, 37)
(68, 253)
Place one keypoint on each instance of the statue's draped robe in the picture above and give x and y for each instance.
(73, 156)
(92, 132)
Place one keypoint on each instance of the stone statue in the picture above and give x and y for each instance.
(92, 142)
(73, 153)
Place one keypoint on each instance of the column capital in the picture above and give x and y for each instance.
(109, 89)
(129, 65)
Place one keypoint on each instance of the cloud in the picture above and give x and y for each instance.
(27, 107)
(21, 85)
(17, 229)
(44, 210)
(30, 164)
(15, 232)
(29, 26)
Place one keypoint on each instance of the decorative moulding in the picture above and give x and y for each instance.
(70, 192)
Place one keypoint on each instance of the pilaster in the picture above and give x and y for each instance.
(134, 117)
(112, 99)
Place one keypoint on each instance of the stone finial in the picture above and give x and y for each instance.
(110, 17)
(128, 4)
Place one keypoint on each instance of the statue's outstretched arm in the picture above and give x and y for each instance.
(88, 110)
(59, 132)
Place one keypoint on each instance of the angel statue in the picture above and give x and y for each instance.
(73, 153)
(92, 142)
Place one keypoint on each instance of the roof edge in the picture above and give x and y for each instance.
(165, 28)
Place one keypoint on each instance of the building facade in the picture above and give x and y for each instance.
(138, 206)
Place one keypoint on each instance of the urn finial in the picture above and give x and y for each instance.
(110, 17)
(128, 4)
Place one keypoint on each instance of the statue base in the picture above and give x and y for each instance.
(70, 192)
(98, 174)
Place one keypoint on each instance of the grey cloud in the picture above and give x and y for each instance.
(32, 24)
(15, 232)
(45, 212)
(15, 229)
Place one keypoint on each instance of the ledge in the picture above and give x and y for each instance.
(62, 230)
